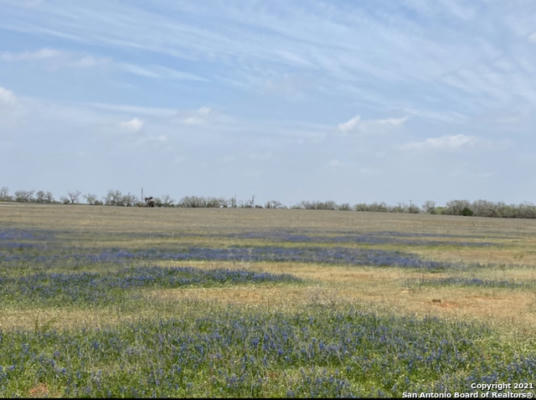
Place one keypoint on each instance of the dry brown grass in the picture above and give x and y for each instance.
(124, 219)
(381, 288)
(511, 311)
(68, 317)
(482, 255)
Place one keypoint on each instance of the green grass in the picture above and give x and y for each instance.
(230, 352)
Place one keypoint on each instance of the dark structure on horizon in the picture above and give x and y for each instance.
(149, 201)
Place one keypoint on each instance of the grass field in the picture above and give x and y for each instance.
(113, 301)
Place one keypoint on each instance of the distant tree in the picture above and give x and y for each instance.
(439, 210)
(4, 194)
(456, 207)
(379, 207)
(215, 202)
(44, 197)
(361, 207)
(74, 197)
(24, 196)
(499, 210)
(429, 207)
(413, 209)
(273, 204)
(467, 212)
(113, 198)
(202, 202)
(526, 210)
(91, 199)
(485, 208)
(233, 202)
(167, 201)
(375, 207)
(49, 197)
(192, 202)
(212, 202)
(396, 209)
(330, 205)
(318, 205)
(248, 203)
(128, 200)
(306, 205)
(345, 207)
(482, 208)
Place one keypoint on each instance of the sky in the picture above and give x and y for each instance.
(351, 101)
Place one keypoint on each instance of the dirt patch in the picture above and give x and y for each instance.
(40, 390)
(448, 304)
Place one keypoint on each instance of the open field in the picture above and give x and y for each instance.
(115, 301)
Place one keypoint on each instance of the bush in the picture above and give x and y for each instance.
(466, 212)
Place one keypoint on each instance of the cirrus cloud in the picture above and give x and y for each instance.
(452, 142)
(198, 117)
(349, 125)
(357, 125)
(133, 125)
(30, 55)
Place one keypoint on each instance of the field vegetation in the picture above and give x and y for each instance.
(479, 208)
(119, 301)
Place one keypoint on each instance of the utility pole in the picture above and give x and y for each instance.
(141, 199)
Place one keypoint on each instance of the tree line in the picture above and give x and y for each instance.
(479, 208)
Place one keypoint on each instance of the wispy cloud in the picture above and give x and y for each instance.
(170, 73)
(56, 58)
(150, 139)
(453, 142)
(282, 37)
(335, 164)
(368, 171)
(349, 125)
(139, 70)
(198, 117)
(321, 42)
(40, 54)
(6, 96)
(356, 124)
(68, 59)
(392, 121)
(131, 109)
(152, 71)
(133, 125)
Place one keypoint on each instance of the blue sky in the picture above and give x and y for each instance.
(352, 101)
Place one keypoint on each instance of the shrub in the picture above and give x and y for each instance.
(466, 212)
